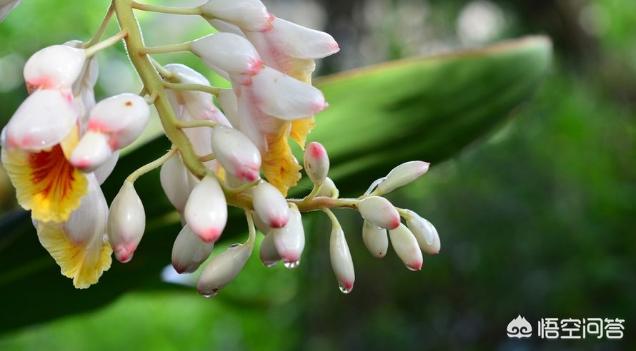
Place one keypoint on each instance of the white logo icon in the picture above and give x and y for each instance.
(519, 328)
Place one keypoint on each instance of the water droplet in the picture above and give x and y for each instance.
(413, 269)
(344, 290)
(291, 264)
(211, 294)
(270, 264)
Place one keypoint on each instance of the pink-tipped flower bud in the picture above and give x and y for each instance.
(270, 205)
(284, 97)
(122, 117)
(425, 233)
(92, 151)
(375, 239)
(268, 253)
(229, 53)
(316, 162)
(54, 67)
(126, 222)
(90, 218)
(406, 247)
(236, 152)
(250, 15)
(177, 182)
(223, 268)
(206, 210)
(401, 176)
(290, 240)
(43, 120)
(328, 189)
(189, 251)
(380, 212)
(341, 260)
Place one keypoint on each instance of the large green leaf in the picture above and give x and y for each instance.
(425, 108)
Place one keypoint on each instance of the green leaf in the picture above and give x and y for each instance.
(424, 108)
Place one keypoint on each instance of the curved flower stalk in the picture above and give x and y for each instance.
(230, 147)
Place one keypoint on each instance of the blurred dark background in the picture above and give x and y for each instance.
(539, 219)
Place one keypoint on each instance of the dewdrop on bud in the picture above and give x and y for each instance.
(223, 268)
(189, 251)
(250, 15)
(406, 247)
(54, 67)
(270, 205)
(177, 182)
(425, 233)
(401, 176)
(126, 222)
(290, 240)
(42, 120)
(229, 53)
(341, 261)
(268, 253)
(206, 210)
(236, 152)
(316, 162)
(380, 212)
(375, 239)
(121, 117)
(328, 189)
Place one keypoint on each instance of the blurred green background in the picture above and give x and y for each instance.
(536, 219)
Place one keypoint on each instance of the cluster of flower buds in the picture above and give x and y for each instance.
(60, 146)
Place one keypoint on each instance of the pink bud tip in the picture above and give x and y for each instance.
(255, 67)
(415, 266)
(290, 257)
(317, 151)
(347, 285)
(395, 222)
(178, 268)
(39, 83)
(279, 222)
(318, 106)
(248, 175)
(334, 46)
(209, 235)
(124, 253)
(269, 25)
(82, 165)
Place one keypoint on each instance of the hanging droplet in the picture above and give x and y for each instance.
(344, 289)
(291, 264)
(413, 269)
(211, 294)
(270, 264)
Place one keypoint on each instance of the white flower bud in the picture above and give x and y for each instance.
(250, 15)
(126, 222)
(42, 121)
(406, 247)
(328, 189)
(401, 176)
(375, 239)
(341, 261)
(177, 182)
(270, 205)
(189, 251)
(236, 152)
(290, 239)
(228, 52)
(284, 97)
(54, 67)
(92, 151)
(268, 253)
(425, 233)
(206, 210)
(380, 212)
(90, 217)
(316, 162)
(6, 6)
(122, 117)
(103, 172)
(223, 268)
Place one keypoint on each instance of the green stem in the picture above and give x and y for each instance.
(197, 123)
(167, 49)
(106, 43)
(166, 9)
(321, 202)
(102, 27)
(193, 87)
(150, 166)
(154, 85)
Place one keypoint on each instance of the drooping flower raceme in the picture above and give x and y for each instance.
(230, 147)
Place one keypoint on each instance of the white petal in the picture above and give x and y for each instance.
(316, 162)
(226, 27)
(223, 268)
(227, 101)
(341, 261)
(380, 212)
(206, 210)
(425, 233)
(284, 97)
(270, 205)
(92, 151)
(247, 14)
(123, 117)
(290, 240)
(189, 251)
(237, 153)
(375, 239)
(90, 217)
(103, 172)
(43, 120)
(401, 176)
(268, 253)
(328, 189)
(126, 222)
(177, 182)
(229, 52)
(54, 67)
(406, 247)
